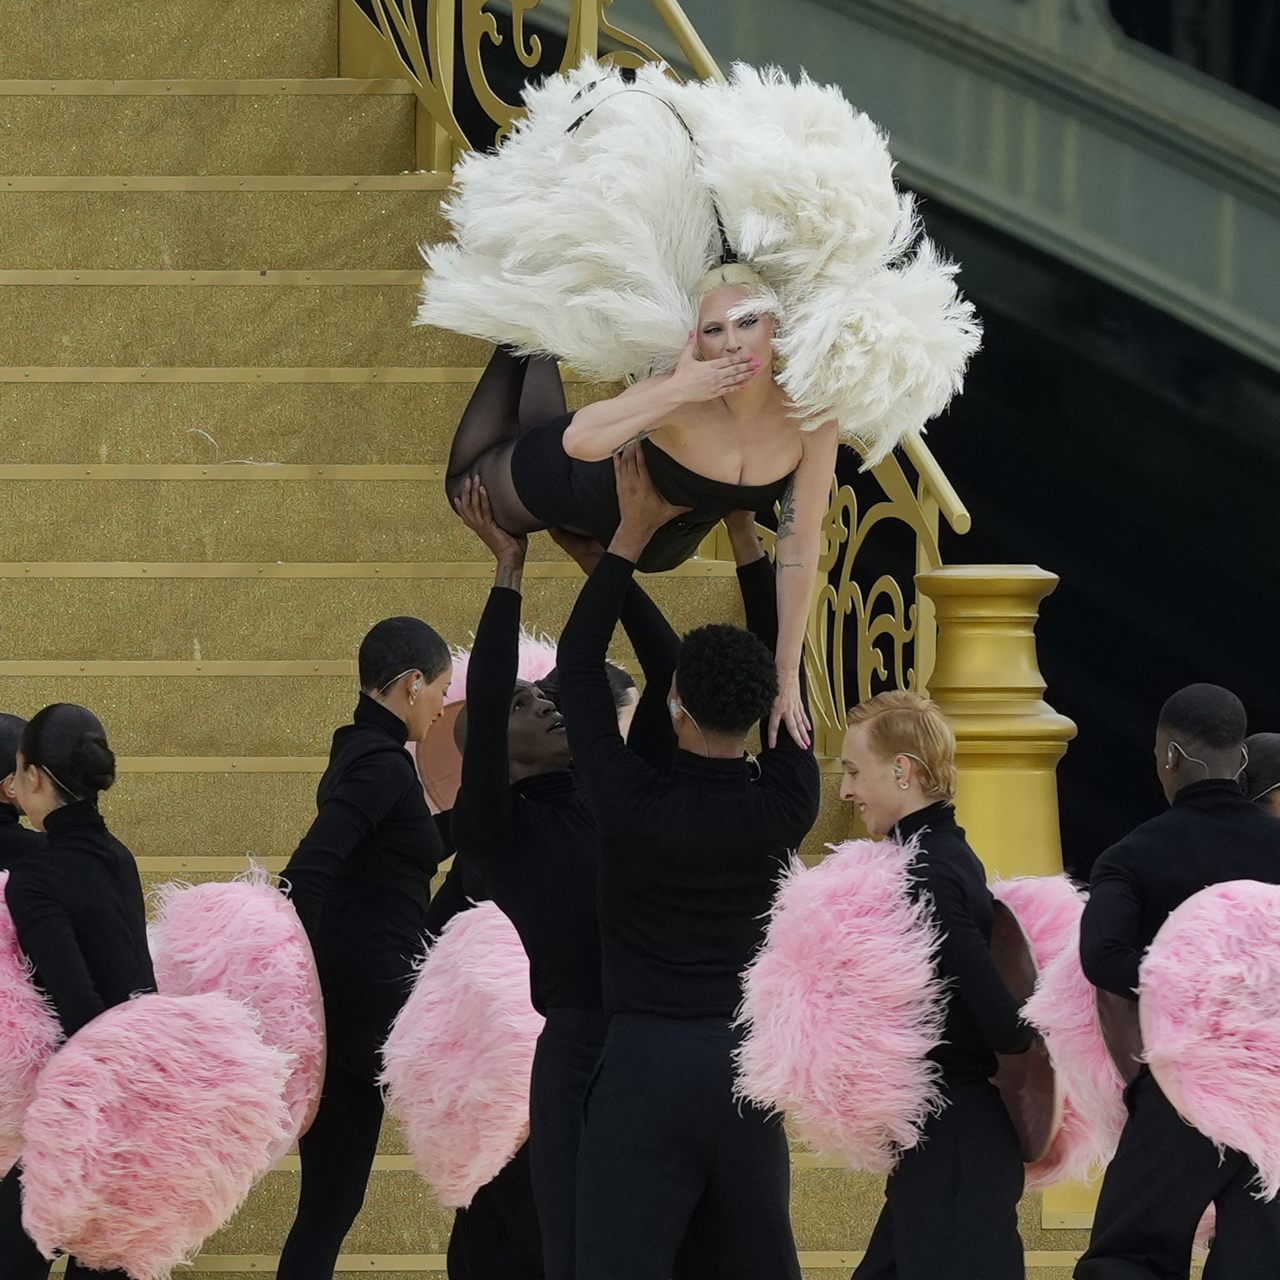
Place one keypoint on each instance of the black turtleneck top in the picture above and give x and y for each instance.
(1210, 833)
(982, 1014)
(361, 881)
(78, 912)
(15, 839)
(532, 842)
(690, 852)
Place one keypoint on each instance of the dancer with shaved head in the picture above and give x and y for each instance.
(1166, 1173)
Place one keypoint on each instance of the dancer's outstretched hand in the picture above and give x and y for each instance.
(643, 509)
(789, 710)
(696, 380)
(473, 505)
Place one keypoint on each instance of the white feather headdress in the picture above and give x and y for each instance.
(585, 233)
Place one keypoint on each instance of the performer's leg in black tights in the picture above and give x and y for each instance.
(514, 393)
(19, 1257)
(337, 1155)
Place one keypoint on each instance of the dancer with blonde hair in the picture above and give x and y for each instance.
(951, 1203)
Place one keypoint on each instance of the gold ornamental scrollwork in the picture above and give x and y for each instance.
(425, 37)
(878, 626)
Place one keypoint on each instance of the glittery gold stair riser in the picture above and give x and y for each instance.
(230, 134)
(305, 423)
(140, 39)
(263, 815)
(216, 230)
(236, 521)
(252, 620)
(228, 325)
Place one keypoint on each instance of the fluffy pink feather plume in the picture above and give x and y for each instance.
(245, 940)
(1210, 1013)
(1062, 1010)
(537, 659)
(29, 1032)
(148, 1128)
(458, 1059)
(842, 1004)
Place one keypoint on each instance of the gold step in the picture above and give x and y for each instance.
(186, 324)
(217, 230)
(208, 422)
(139, 38)
(193, 127)
(290, 620)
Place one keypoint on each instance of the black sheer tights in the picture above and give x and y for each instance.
(514, 393)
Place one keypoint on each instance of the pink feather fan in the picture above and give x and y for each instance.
(458, 1059)
(1209, 1002)
(147, 1131)
(842, 1004)
(1062, 1009)
(29, 1032)
(245, 940)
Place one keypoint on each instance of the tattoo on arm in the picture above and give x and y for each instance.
(787, 511)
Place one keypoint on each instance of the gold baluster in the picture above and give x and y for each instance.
(987, 680)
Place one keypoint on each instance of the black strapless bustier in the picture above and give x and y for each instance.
(571, 494)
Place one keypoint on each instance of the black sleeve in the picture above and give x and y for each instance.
(658, 649)
(759, 590)
(789, 769)
(612, 776)
(367, 791)
(459, 892)
(481, 823)
(965, 960)
(48, 940)
(1111, 929)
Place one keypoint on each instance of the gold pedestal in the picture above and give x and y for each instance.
(1009, 740)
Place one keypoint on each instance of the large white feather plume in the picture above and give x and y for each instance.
(585, 242)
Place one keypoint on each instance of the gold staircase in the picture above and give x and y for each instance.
(221, 447)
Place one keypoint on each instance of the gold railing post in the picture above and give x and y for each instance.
(1009, 740)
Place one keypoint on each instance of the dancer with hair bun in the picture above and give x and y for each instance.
(77, 910)
(763, 287)
(15, 839)
(361, 882)
(951, 1203)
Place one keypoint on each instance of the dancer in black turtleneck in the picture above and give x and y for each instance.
(77, 910)
(524, 832)
(360, 881)
(675, 1174)
(15, 839)
(1166, 1173)
(951, 1203)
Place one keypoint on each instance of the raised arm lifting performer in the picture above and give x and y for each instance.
(690, 854)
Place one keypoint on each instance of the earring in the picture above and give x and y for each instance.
(902, 786)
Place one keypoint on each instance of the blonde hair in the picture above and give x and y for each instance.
(730, 275)
(906, 724)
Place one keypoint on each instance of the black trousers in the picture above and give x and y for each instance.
(568, 1053)
(19, 1257)
(951, 1205)
(1165, 1174)
(337, 1155)
(670, 1158)
(496, 1237)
